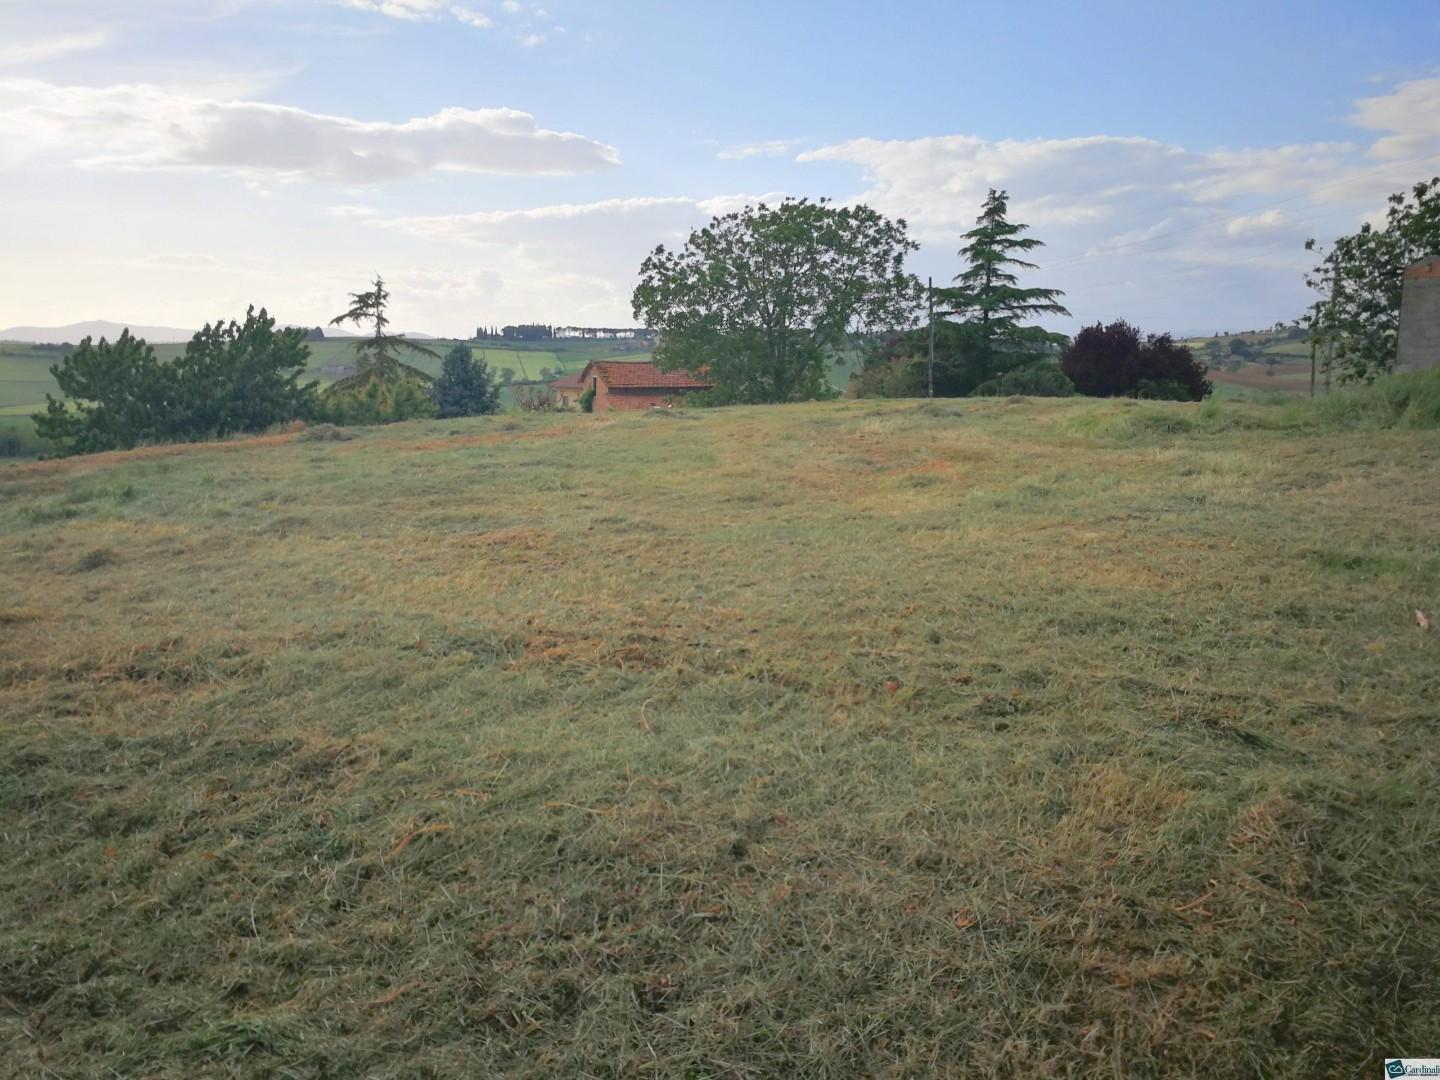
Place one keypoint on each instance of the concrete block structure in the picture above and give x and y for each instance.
(1419, 343)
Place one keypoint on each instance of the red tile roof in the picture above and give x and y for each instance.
(625, 375)
(573, 381)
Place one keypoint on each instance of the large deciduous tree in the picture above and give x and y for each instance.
(1357, 318)
(763, 299)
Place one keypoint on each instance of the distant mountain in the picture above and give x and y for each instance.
(97, 328)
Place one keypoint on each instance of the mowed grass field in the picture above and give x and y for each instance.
(971, 738)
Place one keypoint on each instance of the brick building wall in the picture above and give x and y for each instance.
(637, 385)
(627, 397)
(1419, 344)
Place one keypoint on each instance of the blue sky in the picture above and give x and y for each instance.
(170, 161)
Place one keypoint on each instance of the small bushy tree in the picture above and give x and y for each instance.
(379, 401)
(236, 377)
(464, 387)
(1042, 379)
(116, 395)
(232, 377)
(1115, 361)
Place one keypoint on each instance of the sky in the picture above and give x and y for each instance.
(170, 162)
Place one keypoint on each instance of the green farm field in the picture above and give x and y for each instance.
(25, 370)
(976, 738)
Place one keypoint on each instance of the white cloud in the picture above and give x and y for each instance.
(471, 17)
(575, 262)
(143, 127)
(1410, 115)
(1143, 227)
(16, 53)
(939, 182)
(485, 225)
(1246, 225)
(181, 261)
(645, 220)
(397, 9)
(431, 10)
(1224, 174)
(766, 148)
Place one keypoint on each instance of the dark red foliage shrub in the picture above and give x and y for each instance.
(1114, 361)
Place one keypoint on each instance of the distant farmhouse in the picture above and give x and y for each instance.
(620, 384)
(567, 390)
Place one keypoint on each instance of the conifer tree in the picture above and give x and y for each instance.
(465, 386)
(383, 387)
(987, 296)
(377, 356)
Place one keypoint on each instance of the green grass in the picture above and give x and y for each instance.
(964, 738)
(24, 380)
(25, 371)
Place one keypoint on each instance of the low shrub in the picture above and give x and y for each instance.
(1033, 380)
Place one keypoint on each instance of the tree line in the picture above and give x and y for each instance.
(242, 377)
(766, 299)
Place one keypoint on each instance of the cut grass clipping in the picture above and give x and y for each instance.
(1055, 738)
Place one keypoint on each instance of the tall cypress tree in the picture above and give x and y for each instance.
(986, 295)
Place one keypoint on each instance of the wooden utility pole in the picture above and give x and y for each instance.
(1330, 341)
(1312, 365)
(930, 365)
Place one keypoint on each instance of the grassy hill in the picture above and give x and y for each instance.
(977, 738)
(1278, 365)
